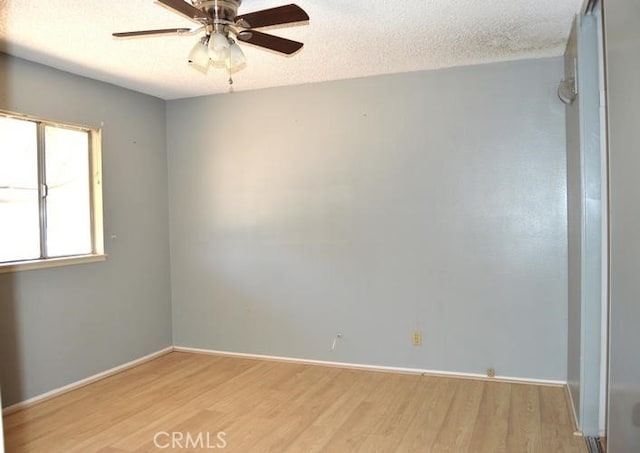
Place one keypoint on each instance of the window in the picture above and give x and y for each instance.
(50, 193)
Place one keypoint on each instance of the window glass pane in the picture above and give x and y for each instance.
(68, 199)
(19, 215)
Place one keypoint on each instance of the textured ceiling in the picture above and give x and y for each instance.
(343, 39)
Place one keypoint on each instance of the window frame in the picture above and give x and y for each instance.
(95, 193)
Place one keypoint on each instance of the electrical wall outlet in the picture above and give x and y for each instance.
(491, 372)
(417, 338)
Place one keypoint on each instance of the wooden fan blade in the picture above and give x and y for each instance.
(186, 9)
(272, 42)
(273, 16)
(163, 31)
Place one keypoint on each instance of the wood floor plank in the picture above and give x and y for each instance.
(178, 406)
(355, 387)
(401, 410)
(297, 410)
(524, 420)
(457, 430)
(433, 398)
(492, 423)
(266, 406)
(556, 419)
(110, 450)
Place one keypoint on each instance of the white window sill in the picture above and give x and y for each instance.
(17, 266)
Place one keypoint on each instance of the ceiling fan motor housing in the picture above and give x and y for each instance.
(223, 10)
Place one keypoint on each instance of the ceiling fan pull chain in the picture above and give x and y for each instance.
(230, 82)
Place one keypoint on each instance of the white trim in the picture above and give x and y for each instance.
(387, 369)
(97, 219)
(572, 408)
(47, 263)
(81, 383)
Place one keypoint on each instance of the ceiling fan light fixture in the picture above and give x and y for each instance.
(219, 18)
(218, 49)
(199, 55)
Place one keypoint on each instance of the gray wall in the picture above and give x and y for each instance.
(623, 72)
(61, 325)
(432, 201)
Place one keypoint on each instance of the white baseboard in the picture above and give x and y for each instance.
(96, 377)
(388, 369)
(572, 408)
(81, 383)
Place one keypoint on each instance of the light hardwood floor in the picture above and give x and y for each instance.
(263, 406)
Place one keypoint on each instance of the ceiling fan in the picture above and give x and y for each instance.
(219, 21)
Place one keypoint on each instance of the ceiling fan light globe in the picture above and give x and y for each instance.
(237, 60)
(201, 69)
(219, 59)
(222, 64)
(218, 47)
(199, 56)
